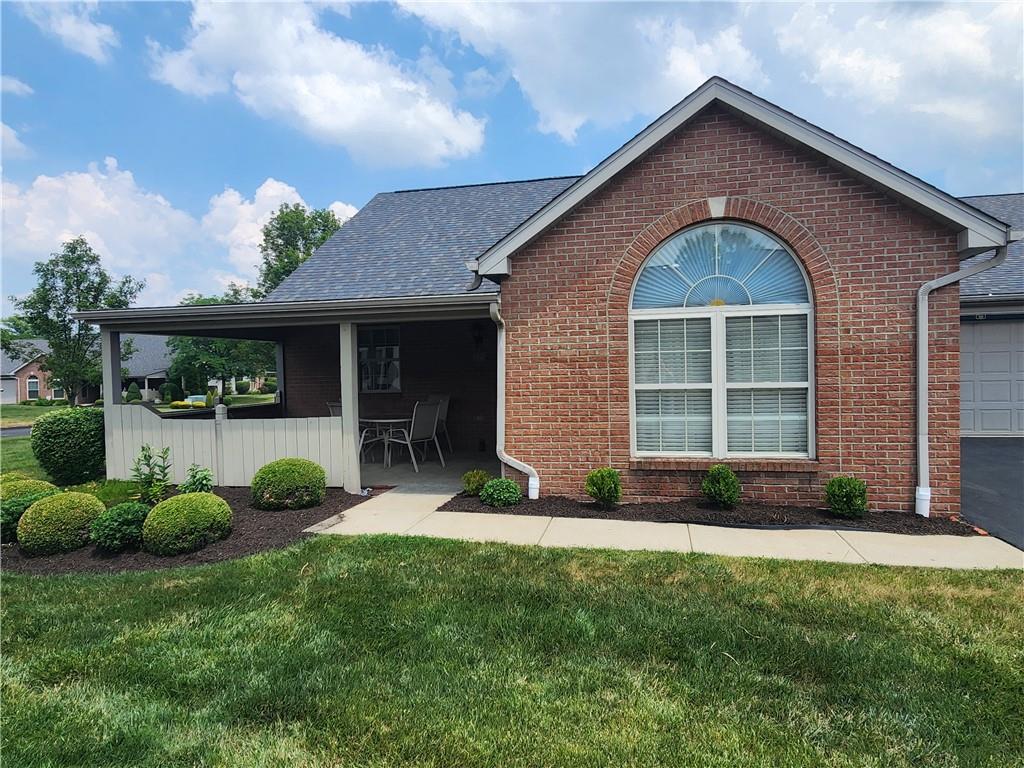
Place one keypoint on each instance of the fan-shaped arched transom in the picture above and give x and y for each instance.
(716, 265)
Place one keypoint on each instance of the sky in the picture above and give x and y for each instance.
(168, 133)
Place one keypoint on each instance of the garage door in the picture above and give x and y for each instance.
(992, 377)
(8, 391)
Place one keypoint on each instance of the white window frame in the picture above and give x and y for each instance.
(383, 326)
(719, 385)
(28, 388)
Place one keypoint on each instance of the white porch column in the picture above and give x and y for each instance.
(110, 342)
(349, 406)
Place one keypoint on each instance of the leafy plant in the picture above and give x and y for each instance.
(58, 523)
(289, 484)
(12, 509)
(474, 481)
(242, 387)
(152, 472)
(604, 486)
(847, 496)
(721, 486)
(185, 523)
(501, 492)
(133, 394)
(12, 489)
(120, 527)
(68, 444)
(197, 480)
(211, 398)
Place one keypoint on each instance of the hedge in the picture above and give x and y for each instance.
(289, 484)
(68, 444)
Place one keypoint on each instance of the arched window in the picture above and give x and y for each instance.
(722, 359)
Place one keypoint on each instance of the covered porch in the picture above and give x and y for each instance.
(359, 360)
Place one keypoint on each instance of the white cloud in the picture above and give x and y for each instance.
(15, 86)
(953, 62)
(139, 232)
(579, 63)
(343, 211)
(73, 25)
(10, 144)
(281, 64)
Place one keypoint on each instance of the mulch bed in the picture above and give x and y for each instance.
(252, 530)
(744, 515)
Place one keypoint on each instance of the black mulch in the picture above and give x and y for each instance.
(745, 515)
(252, 530)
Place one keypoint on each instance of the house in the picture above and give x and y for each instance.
(733, 285)
(992, 334)
(148, 364)
(22, 376)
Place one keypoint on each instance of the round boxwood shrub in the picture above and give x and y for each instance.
(13, 475)
(721, 486)
(604, 486)
(474, 481)
(120, 527)
(58, 523)
(501, 492)
(12, 509)
(133, 393)
(185, 523)
(16, 488)
(289, 484)
(242, 387)
(68, 444)
(847, 496)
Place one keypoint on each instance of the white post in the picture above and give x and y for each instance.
(220, 415)
(111, 349)
(349, 407)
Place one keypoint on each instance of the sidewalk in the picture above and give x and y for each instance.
(413, 512)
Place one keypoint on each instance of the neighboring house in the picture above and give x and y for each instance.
(22, 378)
(733, 285)
(992, 334)
(147, 367)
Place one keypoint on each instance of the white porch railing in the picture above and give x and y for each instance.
(234, 449)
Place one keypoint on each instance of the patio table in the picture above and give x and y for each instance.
(383, 427)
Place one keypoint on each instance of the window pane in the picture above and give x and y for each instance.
(777, 344)
(672, 351)
(767, 421)
(677, 421)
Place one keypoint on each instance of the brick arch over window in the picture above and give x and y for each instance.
(827, 325)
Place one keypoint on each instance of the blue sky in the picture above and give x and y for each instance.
(167, 133)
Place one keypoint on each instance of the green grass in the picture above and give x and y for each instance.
(16, 454)
(250, 399)
(385, 651)
(23, 415)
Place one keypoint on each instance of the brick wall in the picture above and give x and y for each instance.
(566, 303)
(457, 358)
(33, 369)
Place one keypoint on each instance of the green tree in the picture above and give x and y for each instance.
(289, 238)
(198, 359)
(73, 280)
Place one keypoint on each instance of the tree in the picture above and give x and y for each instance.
(73, 280)
(199, 359)
(289, 238)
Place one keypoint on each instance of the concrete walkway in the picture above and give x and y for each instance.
(412, 511)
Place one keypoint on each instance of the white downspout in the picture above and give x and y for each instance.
(533, 479)
(923, 497)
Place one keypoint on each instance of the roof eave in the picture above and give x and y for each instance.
(980, 230)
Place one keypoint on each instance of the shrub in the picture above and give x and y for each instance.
(59, 401)
(120, 527)
(269, 387)
(169, 392)
(11, 511)
(242, 387)
(211, 399)
(42, 401)
(847, 496)
(289, 484)
(501, 492)
(721, 486)
(181, 404)
(474, 481)
(185, 523)
(12, 489)
(98, 402)
(152, 472)
(58, 523)
(14, 474)
(197, 480)
(227, 400)
(133, 394)
(68, 444)
(604, 487)
(203, 403)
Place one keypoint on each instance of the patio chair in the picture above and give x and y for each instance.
(369, 436)
(422, 431)
(442, 417)
(334, 407)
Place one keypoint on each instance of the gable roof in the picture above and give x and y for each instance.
(150, 357)
(978, 230)
(416, 242)
(11, 365)
(1005, 282)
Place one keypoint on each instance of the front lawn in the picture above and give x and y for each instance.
(386, 651)
(16, 454)
(23, 415)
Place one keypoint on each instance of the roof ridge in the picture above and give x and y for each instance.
(483, 184)
(994, 194)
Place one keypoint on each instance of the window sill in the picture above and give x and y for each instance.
(666, 464)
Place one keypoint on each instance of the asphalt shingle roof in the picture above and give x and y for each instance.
(8, 365)
(416, 242)
(1008, 278)
(150, 356)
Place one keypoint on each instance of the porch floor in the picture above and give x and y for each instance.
(432, 477)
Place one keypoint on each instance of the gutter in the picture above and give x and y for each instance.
(923, 496)
(533, 479)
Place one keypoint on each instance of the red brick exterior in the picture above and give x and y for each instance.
(32, 369)
(566, 309)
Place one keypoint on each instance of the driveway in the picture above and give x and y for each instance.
(992, 485)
